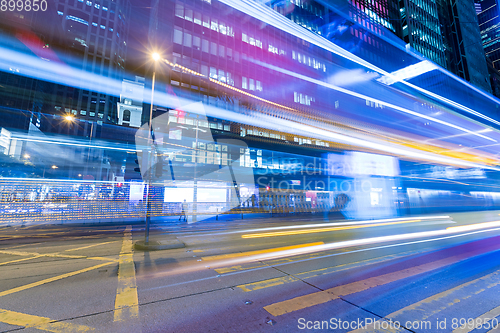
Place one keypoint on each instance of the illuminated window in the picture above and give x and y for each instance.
(244, 84)
(222, 28)
(222, 76)
(179, 10)
(187, 40)
(221, 51)
(213, 48)
(204, 45)
(206, 21)
(196, 42)
(214, 26)
(259, 85)
(177, 36)
(204, 70)
(213, 73)
(188, 15)
(252, 84)
(197, 18)
(244, 37)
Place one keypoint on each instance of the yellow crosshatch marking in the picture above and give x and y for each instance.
(43, 323)
(88, 246)
(54, 255)
(302, 302)
(126, 302)
(17, 260)
(421, 311)
(55, 278)
(40, 323)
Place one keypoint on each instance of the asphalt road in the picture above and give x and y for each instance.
(429, 273)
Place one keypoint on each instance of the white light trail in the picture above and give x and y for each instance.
(272, 18)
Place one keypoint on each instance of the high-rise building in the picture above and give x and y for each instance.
(421, 28)
(87, 35)
(464, 54)
(97, 32)
(488, 17)
(489, 23)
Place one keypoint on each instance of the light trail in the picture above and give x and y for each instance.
(437, 235)
(40, 69)
(272, 18)
(333, 224)
(366, 97)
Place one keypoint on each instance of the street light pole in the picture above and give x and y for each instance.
(156, 57)
(195, 181)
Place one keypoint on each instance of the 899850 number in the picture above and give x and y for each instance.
(23, 5)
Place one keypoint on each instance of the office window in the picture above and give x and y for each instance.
(221, 51)
(177, 36)
(197, 18)
(179, 10)
(213, 73)
(214, 25)
(252, 84)
(244, 84)
(196, 42)
(187, 40)
(204, 45)
(188, 15)
(206, 21)
(222, 76)
(204, 70)
(213, 48)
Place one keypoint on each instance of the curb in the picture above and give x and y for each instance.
(156, 246)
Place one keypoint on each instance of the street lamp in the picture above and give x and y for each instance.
(156, 57)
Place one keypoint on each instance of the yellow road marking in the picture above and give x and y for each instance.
(41, 323)
(9, 262)
(230, 269)
(86, 247)
(434, 304)
(484, 318)
(324, 296)
(55, 278)
(54, 255)
(317, 230)
(251, 253)
(317, 272)
(126, 302)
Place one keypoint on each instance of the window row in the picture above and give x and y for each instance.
(306, 60)
(204, 20)
(302, 98)
(251, 84)
(197, 43)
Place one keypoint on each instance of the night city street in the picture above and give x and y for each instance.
(222, 281)
(249, 166)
